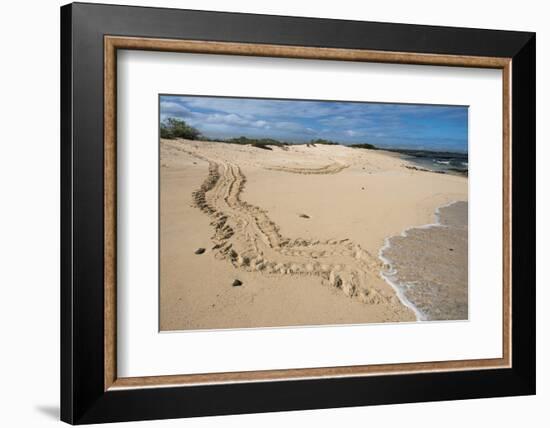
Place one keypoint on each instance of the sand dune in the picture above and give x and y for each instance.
(331, 277)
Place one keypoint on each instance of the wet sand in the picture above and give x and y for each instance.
(429, 265)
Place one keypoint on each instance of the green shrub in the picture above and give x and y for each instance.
(261, 146)
(256, 142)
(364, 146)
(177, 128)
(165, 131)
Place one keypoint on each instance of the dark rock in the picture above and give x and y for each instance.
(304, 216)
(199, 250)
(237, 283)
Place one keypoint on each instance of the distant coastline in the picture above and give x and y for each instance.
(435, 161)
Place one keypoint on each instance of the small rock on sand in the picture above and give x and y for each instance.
(199, 250)
(237, 283)
(304, 216)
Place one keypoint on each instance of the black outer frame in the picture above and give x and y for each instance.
(83, 399)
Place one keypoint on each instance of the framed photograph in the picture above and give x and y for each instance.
(266, 213)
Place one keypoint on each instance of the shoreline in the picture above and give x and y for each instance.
(390, 274)
(385, 275)
(435, 167)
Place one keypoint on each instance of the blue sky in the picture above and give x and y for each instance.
(384, 125)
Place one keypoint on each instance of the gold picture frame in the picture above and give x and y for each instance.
(114, 43)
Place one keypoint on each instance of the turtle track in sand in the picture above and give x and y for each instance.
(245, 236)
(332, 168)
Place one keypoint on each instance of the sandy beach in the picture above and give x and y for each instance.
(292, 235)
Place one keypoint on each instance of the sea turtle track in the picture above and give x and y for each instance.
(246, 237)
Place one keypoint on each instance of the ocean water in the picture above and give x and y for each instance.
(447, 162)
(428, 265)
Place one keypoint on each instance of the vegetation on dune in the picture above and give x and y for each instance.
(260, 146)
(256, 142)
(177, 128)
(336, 143)
(364, 146)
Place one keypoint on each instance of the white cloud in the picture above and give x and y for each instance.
(291, 120)
(169, 107)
